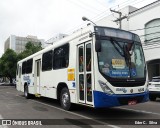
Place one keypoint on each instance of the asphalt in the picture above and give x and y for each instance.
(14, 106)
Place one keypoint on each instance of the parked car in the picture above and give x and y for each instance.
(2, 83)
(154, 88)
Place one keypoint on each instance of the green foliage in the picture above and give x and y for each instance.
(30, 49)
(8, 63)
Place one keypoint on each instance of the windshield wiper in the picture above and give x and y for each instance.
(115, 46)
(126, 52)
(127, 56)
(124, 49)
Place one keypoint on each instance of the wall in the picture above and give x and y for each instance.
(13, 42)
(138, 19)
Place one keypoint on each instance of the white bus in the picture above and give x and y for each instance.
(95, 66)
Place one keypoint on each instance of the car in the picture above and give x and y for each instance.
(1, 83)
(154, 88)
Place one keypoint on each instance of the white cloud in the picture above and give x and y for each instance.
(45, 18)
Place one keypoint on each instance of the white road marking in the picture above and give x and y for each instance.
(113, 126)
(142, 111)
(2, 126)
(103, 123)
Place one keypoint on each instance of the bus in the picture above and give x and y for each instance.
(96, 66)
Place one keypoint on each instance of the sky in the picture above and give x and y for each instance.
(47, 18)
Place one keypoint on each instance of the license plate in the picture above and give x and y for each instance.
(132, 102)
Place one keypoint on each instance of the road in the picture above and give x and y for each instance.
(13, 105)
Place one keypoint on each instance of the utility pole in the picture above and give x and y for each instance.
(120, 17)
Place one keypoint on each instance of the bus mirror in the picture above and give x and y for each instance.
(98, 46)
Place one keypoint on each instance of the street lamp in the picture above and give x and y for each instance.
(86, 19)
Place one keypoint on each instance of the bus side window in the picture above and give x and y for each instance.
(61, 57)
(89, 65)
(89, 87)
(88, 57)
(47, 61)
(81, 62)
(24, 67)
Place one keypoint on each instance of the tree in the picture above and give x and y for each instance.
(30, 49)
(8, 64)
(8, 61)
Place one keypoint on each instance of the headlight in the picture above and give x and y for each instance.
(105, 88)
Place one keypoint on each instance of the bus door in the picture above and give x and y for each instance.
(85, 73)
(37, 76)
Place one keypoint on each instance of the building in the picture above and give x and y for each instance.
(145, 22)
(18, 43)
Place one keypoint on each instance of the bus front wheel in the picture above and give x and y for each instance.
(65, 99)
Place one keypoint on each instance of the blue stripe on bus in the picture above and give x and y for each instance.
(104, 100)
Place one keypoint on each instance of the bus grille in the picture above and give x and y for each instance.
(127, 84)
(124, 100)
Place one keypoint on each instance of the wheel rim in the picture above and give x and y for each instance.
(65, 99)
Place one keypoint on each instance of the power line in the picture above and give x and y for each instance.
(88, 5)
(149, 34)
(121, 3)
(146, 0)
(103, 14)
(119, 6)
(99, 16)
(152, 39)
(138, 2)
(79, 5)
(145, 28)
(151, 48)
(151, 43)
(100, 3)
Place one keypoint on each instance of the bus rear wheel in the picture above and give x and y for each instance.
(26, 93)
(65, 99)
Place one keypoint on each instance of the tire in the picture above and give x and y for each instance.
(152, 98)
(65, 99)
(26, 94)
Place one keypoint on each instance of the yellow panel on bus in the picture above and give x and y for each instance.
(71, 74)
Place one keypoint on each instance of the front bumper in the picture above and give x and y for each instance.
(105, 100)
(154, 93)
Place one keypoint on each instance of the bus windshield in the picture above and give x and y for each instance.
(121, 59)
